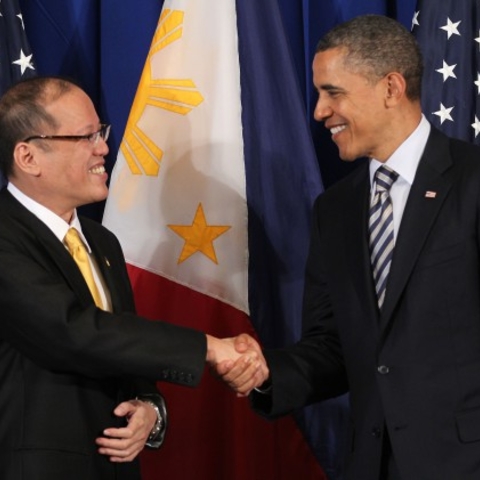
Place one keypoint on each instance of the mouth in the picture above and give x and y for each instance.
(337, 129)
(97, 170)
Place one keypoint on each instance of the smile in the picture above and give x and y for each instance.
(97, 170)
(338, 129)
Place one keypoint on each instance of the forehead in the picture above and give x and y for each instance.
(330, 70)
(73, 108)
(328, 64)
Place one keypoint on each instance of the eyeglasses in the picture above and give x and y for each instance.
(93, 138)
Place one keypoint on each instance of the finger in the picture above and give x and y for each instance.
(122, 460)
(246, 388)
(120, 455)
(129, 458)
(238, 369)
(120, 448)
(125, 409)
(264, 370)
(223, 367)
(118, 433)
(113, 443)
(246, 379)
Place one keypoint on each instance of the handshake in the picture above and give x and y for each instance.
(238, 361)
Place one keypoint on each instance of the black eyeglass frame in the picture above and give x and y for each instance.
(103, 133)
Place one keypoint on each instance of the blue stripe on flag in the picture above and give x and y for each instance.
(283, 179)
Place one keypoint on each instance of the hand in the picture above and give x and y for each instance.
(124, 444)
(223, 349)
(239, 374)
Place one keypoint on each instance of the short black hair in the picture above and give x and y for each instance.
(376, 45)
(23, 113)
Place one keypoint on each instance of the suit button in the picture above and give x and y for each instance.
(376, 432)
(383, 370)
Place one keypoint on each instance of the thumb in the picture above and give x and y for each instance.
(224, 367)
(243, 342)
(124, 409)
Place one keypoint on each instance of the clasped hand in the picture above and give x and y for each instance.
(238, 361)
(125, 443)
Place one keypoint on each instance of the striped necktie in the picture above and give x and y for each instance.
(380, 227)
(79, 253)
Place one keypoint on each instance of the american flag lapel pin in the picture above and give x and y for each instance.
(430, 194)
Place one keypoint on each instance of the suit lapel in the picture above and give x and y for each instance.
(359, 266)
(49, 249)
(420, 213)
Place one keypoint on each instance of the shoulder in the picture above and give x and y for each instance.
(342, 190)
(16, 220)
(94, 226)
(95, 231)
(460, 151)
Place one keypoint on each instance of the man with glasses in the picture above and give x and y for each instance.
(77, 366)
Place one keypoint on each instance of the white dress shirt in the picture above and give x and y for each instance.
(404, 161)
(59, 227)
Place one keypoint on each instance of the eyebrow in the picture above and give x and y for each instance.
(328, 87)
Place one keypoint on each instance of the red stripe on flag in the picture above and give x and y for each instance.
(212, 433)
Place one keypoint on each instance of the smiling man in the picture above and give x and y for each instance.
(392, 287)
(370, 101)
(77, 366)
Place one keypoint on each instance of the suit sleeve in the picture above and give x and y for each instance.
(46, 318)
(312, 369)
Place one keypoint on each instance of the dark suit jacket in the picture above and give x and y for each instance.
(64, 364)
(416, 366)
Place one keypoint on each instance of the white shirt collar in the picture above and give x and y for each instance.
(57, 225)
(407, 156)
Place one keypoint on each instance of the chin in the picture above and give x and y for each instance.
(347, 157)
(100, 196)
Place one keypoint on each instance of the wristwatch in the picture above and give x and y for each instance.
(157, 434)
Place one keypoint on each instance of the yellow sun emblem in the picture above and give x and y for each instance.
(142, 155)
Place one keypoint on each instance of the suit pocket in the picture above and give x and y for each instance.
(468, 425)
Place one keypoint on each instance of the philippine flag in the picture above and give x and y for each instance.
(210, 197)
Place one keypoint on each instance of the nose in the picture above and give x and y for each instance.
(101, 147)
(323, 110)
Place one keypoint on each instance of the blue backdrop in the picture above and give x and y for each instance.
(98, 42)
(103, 45)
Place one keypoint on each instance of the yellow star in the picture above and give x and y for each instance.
(199, 236)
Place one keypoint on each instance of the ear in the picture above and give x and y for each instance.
(396, 88)
(25, 159)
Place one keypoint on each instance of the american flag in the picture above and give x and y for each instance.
(15, 55)
(448, 32)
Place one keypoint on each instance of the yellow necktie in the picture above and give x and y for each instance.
(79, 253)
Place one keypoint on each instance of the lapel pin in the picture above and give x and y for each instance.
(430, 194)
(107, 262)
